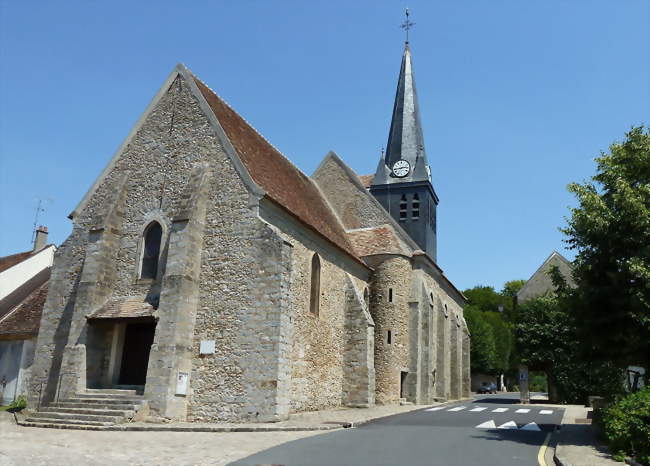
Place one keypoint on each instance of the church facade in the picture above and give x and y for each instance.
(210, 275)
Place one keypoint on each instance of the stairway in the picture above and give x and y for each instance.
(94, 409)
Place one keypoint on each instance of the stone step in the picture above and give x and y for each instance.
(107, 400)
(87, 410)
(57, 425)
(87, 418)
(74, 422)
(112, 396)
(111, 391)
(94, 405)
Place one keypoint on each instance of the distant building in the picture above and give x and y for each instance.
(23, 288)
(540, 283)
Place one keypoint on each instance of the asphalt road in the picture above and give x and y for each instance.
(452, 435)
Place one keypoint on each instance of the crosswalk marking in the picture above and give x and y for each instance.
(546, 411)
(437, 408)
(523, 410)
(479, 408)
(457, 408)
(487, 425)
(500, 410)
(508, 425)
(530, 426)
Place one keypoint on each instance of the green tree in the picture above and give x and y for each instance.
(503, 341)
(546, 341)
(483, 355)
(610, 231)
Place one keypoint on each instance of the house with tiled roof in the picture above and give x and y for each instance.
(209, 279)
(23, 289)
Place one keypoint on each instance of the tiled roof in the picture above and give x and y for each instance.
(25, 319)
(10, 261)
(283, 182)
(121, 308)
(378, 240)
(366, 180)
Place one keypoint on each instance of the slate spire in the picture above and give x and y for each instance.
(405, 140)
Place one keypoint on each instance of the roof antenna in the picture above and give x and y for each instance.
(407, 25)
(39, 208)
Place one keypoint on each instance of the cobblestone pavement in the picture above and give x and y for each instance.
(32, 446)
(22, 446)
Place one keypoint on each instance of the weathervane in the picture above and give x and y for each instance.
(407, 25)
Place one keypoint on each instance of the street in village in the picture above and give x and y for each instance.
(488, 430)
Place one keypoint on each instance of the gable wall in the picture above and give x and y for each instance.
(238, 294)
(353, 206)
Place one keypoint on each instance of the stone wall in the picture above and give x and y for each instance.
(391, 359)
(320, 343)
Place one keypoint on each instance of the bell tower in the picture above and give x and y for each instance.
(402, 182)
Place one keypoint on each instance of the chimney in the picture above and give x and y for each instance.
(40, 239)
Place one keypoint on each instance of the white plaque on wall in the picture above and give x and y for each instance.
(181, 383)
(207, 347)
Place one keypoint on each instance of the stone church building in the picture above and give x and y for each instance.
(210, 275)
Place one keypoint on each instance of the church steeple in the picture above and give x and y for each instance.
(402, 182)
(405, 140)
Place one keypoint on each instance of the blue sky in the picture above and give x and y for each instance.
(517, 98)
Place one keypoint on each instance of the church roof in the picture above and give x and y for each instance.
(366, 180)
(377, 240)
(282, 181)
(405, 139)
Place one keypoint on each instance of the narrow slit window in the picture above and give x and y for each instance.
(151, 250)
(314, 296)
(390, 295)
(366, 298)
(389, 337)
(403, 208)
(415, 207)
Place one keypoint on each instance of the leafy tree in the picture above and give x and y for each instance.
(610, 231)
(484, 298)
(483, 354)
(546, 341)
(512, 287)
(503, 341)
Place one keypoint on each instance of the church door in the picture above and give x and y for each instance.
(138, 338)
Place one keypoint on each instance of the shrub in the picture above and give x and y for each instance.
(626, 426)
(17, 405)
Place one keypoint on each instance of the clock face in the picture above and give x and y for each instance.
(401, 168)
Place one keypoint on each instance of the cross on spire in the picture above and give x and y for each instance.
(407, 25)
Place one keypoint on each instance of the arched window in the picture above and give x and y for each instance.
(314, 296)
(403, 208)
(415, 207)
(151, 250)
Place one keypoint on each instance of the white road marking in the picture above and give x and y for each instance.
(546, 411)
(523, 410)
(487, 425)
(530, 426)
(508, 425)
(457, 408)
(500, 410)
(437, 408)
(479, 408)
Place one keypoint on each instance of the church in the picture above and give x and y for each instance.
(208, 279)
